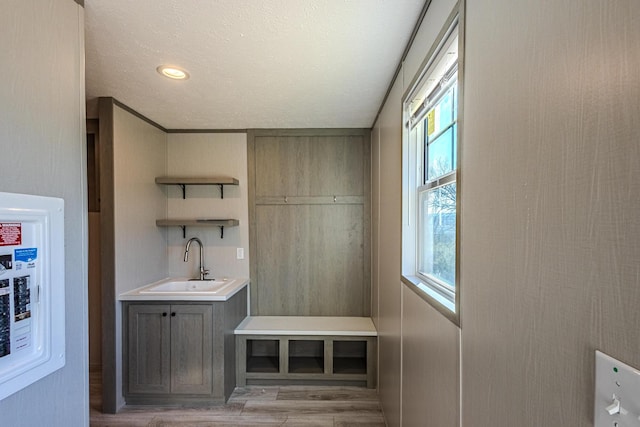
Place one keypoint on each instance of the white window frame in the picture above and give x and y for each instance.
(443, 297)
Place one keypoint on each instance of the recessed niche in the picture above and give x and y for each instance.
(306, 356)
(349, 357)
(263, 356)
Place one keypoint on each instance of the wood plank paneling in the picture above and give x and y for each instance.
(310, 166)
(311, 260)
(309, 218)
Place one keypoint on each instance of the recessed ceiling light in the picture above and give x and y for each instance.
(173, 72)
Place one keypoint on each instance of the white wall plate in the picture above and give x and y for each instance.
(617, 394)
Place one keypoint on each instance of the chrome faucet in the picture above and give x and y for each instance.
(203, 272)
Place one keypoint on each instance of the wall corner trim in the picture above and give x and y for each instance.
(138, 115)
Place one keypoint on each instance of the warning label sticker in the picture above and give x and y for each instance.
(10, 234)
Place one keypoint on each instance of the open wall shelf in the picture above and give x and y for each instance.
(184, 223)
(183, 181)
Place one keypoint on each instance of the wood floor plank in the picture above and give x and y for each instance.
(309, 422)
(243, 421)
(218, 421)
(328, 393)
(377, 421)
(119, 420)
(243, 394)
(230, 409)
(258, 406)
(319, 408)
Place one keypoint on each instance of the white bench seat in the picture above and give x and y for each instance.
(307, 325)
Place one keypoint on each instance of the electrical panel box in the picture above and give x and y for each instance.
(32, 295)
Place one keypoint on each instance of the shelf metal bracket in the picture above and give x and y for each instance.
(222, 231)
(184, 190)
(184, 231)
(221, 191)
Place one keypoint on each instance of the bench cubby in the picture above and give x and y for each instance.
(306, 356)
(349, 357)
(306, 350)
(263, 355)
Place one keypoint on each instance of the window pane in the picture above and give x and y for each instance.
(440, 155)
(455, 101)
(445, 107)
(438, 234)
(455, 146)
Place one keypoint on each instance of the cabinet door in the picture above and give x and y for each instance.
(149, 346)
(191, 348)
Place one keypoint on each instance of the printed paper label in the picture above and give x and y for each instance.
(431, 121)
(10, 234)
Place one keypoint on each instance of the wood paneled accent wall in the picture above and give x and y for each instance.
(309, 214)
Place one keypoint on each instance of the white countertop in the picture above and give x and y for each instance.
(306, 325)
(144, 293)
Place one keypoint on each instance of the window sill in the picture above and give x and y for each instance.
(437, 301)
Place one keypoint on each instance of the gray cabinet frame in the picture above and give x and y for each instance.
(326, 377)
(188, 358)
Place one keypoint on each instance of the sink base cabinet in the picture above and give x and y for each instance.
(181, 352)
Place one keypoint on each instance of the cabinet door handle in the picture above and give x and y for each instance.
(164, 314)
(173, 314)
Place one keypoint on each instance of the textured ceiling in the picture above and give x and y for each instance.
(253, 63)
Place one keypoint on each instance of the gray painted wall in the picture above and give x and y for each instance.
(387, 321)
(140, 154)
(403, 319)
(42, 134)
(208, 154)
(550, 231)
(430, 365)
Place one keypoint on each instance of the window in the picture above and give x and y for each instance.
(430, 169)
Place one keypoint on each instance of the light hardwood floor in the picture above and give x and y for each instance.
(259, 406)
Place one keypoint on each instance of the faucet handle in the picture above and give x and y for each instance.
(205, 272)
